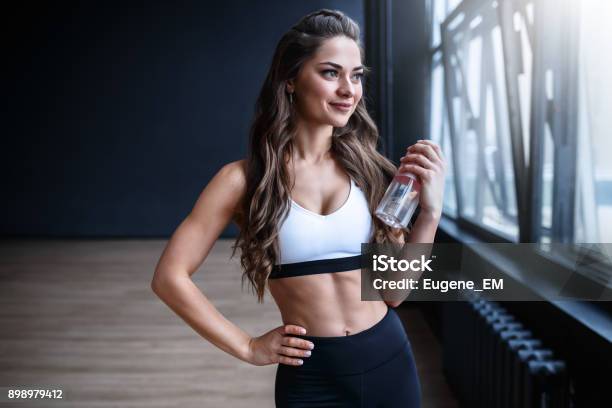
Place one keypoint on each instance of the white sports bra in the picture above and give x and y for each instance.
(312, 243)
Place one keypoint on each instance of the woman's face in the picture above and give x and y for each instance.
(328, 87)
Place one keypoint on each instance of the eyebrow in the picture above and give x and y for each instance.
(339, 66)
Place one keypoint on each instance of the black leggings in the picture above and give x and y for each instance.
(373, 368)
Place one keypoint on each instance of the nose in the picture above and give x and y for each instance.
(346, 88)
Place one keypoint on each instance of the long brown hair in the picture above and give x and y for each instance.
(266, 201)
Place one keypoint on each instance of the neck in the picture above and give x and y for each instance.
(312, 143)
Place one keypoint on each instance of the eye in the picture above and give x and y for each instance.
(327, 71)
(332, 73)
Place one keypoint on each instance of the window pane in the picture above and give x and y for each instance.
(450, 195)
(480, 120)
(439, 132)
(547, 184)
(521, 22)
(594, 178)
(438, 16)
(450, 5)
(440, 9)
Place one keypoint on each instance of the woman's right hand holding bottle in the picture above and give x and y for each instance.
(278, 346)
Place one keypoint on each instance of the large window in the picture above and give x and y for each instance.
(521, 102)
(485, 104)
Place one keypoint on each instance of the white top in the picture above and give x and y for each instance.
(307, 236)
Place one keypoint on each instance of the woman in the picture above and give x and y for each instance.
(304, 200)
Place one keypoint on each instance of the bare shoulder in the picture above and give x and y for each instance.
(216, 206)
(234, 173)
(223, 192)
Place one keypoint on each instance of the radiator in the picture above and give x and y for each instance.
(491, 359)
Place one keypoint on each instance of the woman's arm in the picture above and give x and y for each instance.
(188, 248)
(424, 159)
(424, 229)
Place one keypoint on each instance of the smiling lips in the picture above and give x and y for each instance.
(344, 107)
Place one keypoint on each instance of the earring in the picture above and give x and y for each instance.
(291, 98)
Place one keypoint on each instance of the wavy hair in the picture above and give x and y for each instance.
(354, 146)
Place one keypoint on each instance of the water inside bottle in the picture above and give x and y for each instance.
(400, 201)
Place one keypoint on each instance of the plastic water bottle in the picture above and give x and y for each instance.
(400, 201)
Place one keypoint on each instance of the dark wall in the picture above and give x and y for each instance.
(397, 51)
(117, 116)
(410, 72)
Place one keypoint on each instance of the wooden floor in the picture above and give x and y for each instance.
(80, 316)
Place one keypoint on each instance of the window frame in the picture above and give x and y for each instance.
(557, 54)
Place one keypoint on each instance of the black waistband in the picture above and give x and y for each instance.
(357, 353)
(313, 267)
